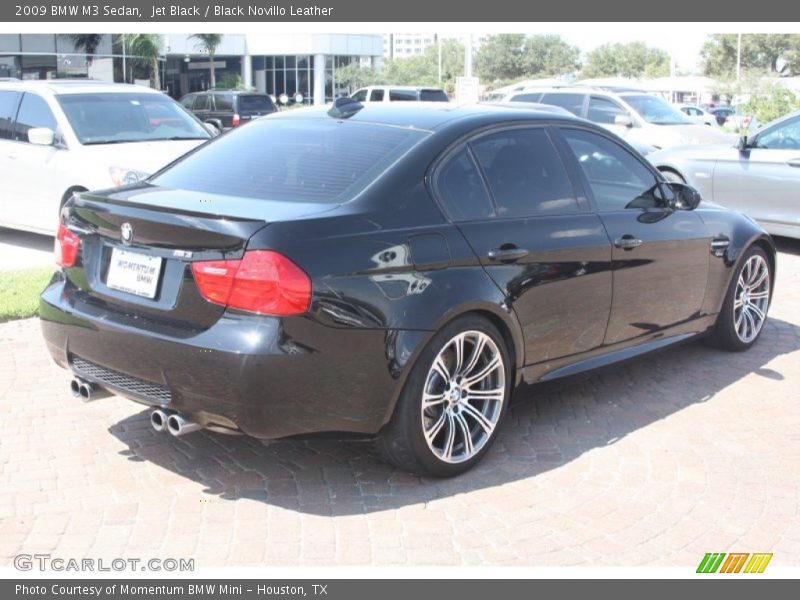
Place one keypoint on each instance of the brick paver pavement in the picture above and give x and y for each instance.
(651, 462)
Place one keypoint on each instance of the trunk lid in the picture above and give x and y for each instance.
(137, 246)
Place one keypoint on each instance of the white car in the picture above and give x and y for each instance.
(697, 114)
(399, 93)
(61, 137)
(637, 117)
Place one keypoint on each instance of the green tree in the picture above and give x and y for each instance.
(145, 51)
(634, 59)
(771, 53)
(501, 57)
(770, 102)
(549, 55)
(86, 42)
(423, 69)
(354, 76)
(208, 44)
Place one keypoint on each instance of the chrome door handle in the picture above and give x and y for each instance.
(627, 242)
(507, 254)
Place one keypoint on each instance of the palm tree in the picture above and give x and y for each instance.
(145, 48)
(208, 43)
(87, 42)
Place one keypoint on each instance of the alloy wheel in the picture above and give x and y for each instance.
(752, 298)
(463, 396)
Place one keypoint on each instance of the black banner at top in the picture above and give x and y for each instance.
(395, 11)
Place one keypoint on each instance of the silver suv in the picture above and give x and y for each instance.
(637, 117)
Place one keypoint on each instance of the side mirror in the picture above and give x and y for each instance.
(41, 136)
(743, 143)
(623, 120)
(212, 129)
(686, 197)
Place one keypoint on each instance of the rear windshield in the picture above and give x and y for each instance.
(129, 117)
(256, 104)
(433, 96)
(292, 160)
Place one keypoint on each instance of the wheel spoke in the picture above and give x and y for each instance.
(441, 369)
(447, 451)
(458, 342)
(479, 418)
(758, 312)
(484, 372)
(751, 324)
(464, 427)
(495, 394)
(477, 350)
(738, 303)
(429, 400)
(759, 295)
(430, 434)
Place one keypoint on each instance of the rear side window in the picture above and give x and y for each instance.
(461, 189)
(292, 160)
(187, 101)
(604, 111)
(255, 103)
(535, 97)
(223, 102)
(376, 95)
(433, 96)
(525, 173)
(201, 102)
(403, 96)
(8, 108)
(572, 102)
(33, 112)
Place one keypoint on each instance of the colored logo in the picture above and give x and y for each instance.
(734, 562)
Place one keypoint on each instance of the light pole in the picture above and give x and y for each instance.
(738, 57)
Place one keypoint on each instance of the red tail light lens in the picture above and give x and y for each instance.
(236, 120)
(67, 245)
(263, 281)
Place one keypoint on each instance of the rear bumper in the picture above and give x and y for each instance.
(265, 376)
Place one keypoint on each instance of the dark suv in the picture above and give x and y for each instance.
(225, 109)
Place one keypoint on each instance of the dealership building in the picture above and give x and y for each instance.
(291, 64)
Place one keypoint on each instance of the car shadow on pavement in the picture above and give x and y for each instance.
(548, 426)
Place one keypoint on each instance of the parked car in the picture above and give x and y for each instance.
(226, 109)
(635, 116)
(759, 176)
(697, 114)
(60, 137)
(399, 93)
(391, 273)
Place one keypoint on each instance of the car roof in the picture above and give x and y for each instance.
(431, 116)
(75, 86)
(414, 88)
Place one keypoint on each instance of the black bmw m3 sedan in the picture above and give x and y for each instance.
(391, 273)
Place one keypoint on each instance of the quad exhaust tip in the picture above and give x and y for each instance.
(179, 425)
(158, 419)
(85, 390)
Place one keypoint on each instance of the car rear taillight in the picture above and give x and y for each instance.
(236, 120)
(263, 281)
(67, 245)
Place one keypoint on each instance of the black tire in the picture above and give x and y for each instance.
(725, 334)
(672, 176)
(403, 442)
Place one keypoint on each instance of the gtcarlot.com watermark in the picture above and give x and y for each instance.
(47, 562)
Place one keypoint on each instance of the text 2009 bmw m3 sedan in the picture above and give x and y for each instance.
(392, 273)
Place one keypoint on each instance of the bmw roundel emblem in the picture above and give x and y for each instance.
(126, 231)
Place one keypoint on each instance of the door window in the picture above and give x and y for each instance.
(202, 102)
(376, 95)
(572, 102)
(784, 136)
(604, 111)
(524, 173)
(618, 180)
(8, 109)
(33, 112)
(360, 96)
(461, 189)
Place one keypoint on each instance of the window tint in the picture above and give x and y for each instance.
(292, 160)
(785, 136)
(8, 109)
(376, 96)
(572, 102)
(618, 180)
(33, 112)
(433, 96)
(223, 102)
(402, 95)
(524, 173)
(187, 101)
(360, 95)
(461, 189)
(535, 97)
(201, 102)
(603, 110)
(255, 103)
